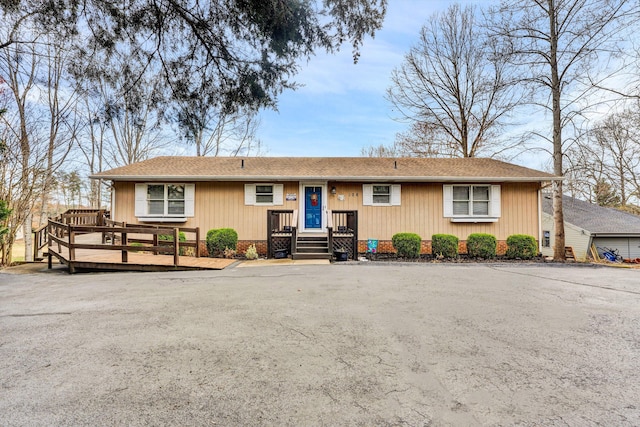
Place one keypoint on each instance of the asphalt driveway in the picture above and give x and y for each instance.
(356, 344)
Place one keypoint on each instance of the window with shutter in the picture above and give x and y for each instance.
(471, 203)
(263, 194)
(164, 202)
(381, 195)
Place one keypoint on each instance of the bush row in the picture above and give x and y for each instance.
(479, 245)
(407, 245)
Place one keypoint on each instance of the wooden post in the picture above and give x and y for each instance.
(269, 213)
(36, 244)
(72, 248)
(176, 246)
(125, 252)
(155, 243)
(197, 242)
(49, 260)
(72, 241)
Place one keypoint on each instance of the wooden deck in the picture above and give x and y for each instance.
(109, 260)
(89, 252)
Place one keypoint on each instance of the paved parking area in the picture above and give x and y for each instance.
(340, 344)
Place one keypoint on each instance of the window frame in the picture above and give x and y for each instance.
(493, 203)
(368, 195)
(271, 193)
(142, 202)
(387, 195)
(251, 194)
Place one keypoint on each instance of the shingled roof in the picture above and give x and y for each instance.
(324, 168)
(594, 218)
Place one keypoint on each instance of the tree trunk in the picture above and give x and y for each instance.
(28, 238)
(558, 217)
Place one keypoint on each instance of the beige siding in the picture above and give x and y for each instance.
(547, 224)
(221, 204)
(575, 237)
(217, 205)
(421, 212)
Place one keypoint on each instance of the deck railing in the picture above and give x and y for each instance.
(119, 236)
(71, 216)
(342, 231)
(281, 231)
(343, 234)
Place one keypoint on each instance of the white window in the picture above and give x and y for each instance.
(546, 239)
(263, 194)
(164, 202)
(381, 195)
(472, 203)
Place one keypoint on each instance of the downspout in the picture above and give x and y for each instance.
(540, 219)
(113, 201)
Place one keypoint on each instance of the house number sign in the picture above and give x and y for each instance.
(291, 197)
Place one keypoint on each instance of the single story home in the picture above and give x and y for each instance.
(267, 200)
(587, 224)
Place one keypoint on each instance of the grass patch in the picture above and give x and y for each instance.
(18, 251)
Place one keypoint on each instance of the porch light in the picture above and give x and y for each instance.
(333, 190)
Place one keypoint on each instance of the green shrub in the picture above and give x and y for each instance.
(169, 238)
(220, 239)
(521, 246)
(4, 215)
(407, 244)
(445, 245)
(481, 245)
(136, 245)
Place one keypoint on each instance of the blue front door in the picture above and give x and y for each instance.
(313, 207)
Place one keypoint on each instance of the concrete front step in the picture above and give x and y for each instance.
(313, 250)
(301, 255)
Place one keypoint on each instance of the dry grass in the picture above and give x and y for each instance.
(18, 251)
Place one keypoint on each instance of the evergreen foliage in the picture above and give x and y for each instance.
(407, 244)
(445, 245)
(481, 245)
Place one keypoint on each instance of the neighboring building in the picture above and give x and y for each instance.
(587, 223)
(378, 196)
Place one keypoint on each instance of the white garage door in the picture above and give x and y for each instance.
(628, 247)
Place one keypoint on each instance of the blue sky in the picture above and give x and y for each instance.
(342, 107)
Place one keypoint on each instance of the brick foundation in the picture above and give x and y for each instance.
(261, 246)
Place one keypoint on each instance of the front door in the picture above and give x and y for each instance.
(313, 208)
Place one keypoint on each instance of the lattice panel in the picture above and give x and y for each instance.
(345, 243)
(278, 243)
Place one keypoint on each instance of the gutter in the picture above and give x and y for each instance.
(281, 178)
(636, 234)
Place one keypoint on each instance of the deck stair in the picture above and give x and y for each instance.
(569, 254)
(312, 247)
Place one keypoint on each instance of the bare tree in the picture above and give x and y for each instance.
(125, 108)
(556, 44)
(62, 126)
(91, 143)
(609, 156)
(216, 133)
(34, 126)
(454, 86)
(379, 151)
